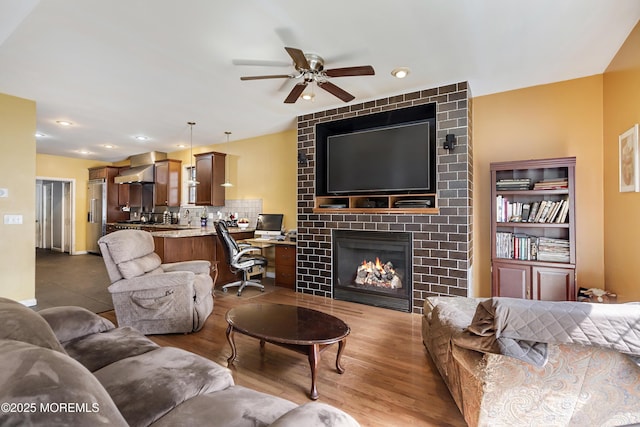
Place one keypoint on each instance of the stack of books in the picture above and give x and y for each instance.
(513, 184)
(553, 250)
(551, 184)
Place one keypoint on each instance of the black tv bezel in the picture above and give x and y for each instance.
(385, 119)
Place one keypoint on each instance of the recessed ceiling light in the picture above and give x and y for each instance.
(108, 146)
(84, 152)
(40, 135)
(400, 72)
(182, 146)
(142, 138)
(63, 123)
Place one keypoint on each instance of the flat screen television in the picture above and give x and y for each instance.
(384, 153)
(396, 159)
(269, 225)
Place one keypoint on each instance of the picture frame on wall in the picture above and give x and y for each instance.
(628, 160)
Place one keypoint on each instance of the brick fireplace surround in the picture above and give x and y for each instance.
(442, 243)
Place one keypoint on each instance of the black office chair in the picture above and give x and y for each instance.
(239, 259)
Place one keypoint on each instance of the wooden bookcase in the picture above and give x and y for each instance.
(519, 268)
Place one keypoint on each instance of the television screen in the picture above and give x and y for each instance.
(386, 159)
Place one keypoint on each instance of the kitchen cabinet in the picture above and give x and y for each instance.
(533, 236)
(286, 265)
(167, 182)
(187, 249)
(210, 174)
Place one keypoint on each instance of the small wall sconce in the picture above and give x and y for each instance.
(449, 142)
(302, 158)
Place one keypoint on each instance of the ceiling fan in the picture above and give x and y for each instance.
(310, 69)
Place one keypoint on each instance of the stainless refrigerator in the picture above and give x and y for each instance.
(96, 213)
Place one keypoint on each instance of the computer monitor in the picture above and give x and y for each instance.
(269, 225)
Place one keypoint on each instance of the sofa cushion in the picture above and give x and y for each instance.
(149, 263)
(23, 324)
(101, 349)
(51, 389)
(134, 255)
(147, 386)
(235, 406)
(316, 414)
(69, 323)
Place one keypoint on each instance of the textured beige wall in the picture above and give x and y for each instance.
(264, 168)
(556, 120)
(17, 175)
(621, 227)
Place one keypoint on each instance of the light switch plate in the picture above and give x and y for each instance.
(4, 192)
(13, 219)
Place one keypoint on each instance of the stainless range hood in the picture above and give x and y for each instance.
(142, 168)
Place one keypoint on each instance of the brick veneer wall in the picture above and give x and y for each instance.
(442, 243)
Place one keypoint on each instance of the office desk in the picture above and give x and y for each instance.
(285, 260)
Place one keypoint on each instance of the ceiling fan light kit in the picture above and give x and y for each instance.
(310, 69)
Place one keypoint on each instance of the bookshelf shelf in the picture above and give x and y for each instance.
(533, 229)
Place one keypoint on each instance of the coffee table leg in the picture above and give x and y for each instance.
(341, 346)
(314, 359)
(232, 344)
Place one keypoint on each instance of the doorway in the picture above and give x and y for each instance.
(55, 219)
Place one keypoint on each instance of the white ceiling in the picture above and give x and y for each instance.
(122, 68)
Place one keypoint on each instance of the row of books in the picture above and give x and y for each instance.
(513, 184)
(525, 184)
(545, 211)
(531, 248)
(551, 184)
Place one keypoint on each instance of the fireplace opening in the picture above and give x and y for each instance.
(373, 267)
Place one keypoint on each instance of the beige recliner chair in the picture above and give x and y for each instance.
(152, 297)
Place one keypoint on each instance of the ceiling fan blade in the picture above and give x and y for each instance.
(298, 58)
(273, 76)
(295, 93)
(364, 70)
(335, 90)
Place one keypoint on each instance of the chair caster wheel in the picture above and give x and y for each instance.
(239, 293)
(224, 290)
(262, 290)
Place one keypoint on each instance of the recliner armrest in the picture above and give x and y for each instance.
(153, 281)
(196, 266)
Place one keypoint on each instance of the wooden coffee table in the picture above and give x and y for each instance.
(299, 329)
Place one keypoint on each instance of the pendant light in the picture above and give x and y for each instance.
(192, 172)
(226, 166)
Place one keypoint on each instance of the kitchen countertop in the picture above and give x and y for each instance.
(178, 230)
(195, 232)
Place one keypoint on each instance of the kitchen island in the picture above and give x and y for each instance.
(174, 243)
(187, 244)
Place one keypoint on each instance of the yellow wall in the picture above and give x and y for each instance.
(555, 120)
(67, 168)
(264, 168)
(17, 175)
(622, 230)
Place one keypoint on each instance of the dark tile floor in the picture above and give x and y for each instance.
(63, 279)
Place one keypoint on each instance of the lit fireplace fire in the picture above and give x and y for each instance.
(378, 274)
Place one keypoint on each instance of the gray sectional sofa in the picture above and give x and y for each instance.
(68, 366)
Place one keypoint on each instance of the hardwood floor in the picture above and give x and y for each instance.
(389, 380)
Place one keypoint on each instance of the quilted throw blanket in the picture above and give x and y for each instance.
(523, 328)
